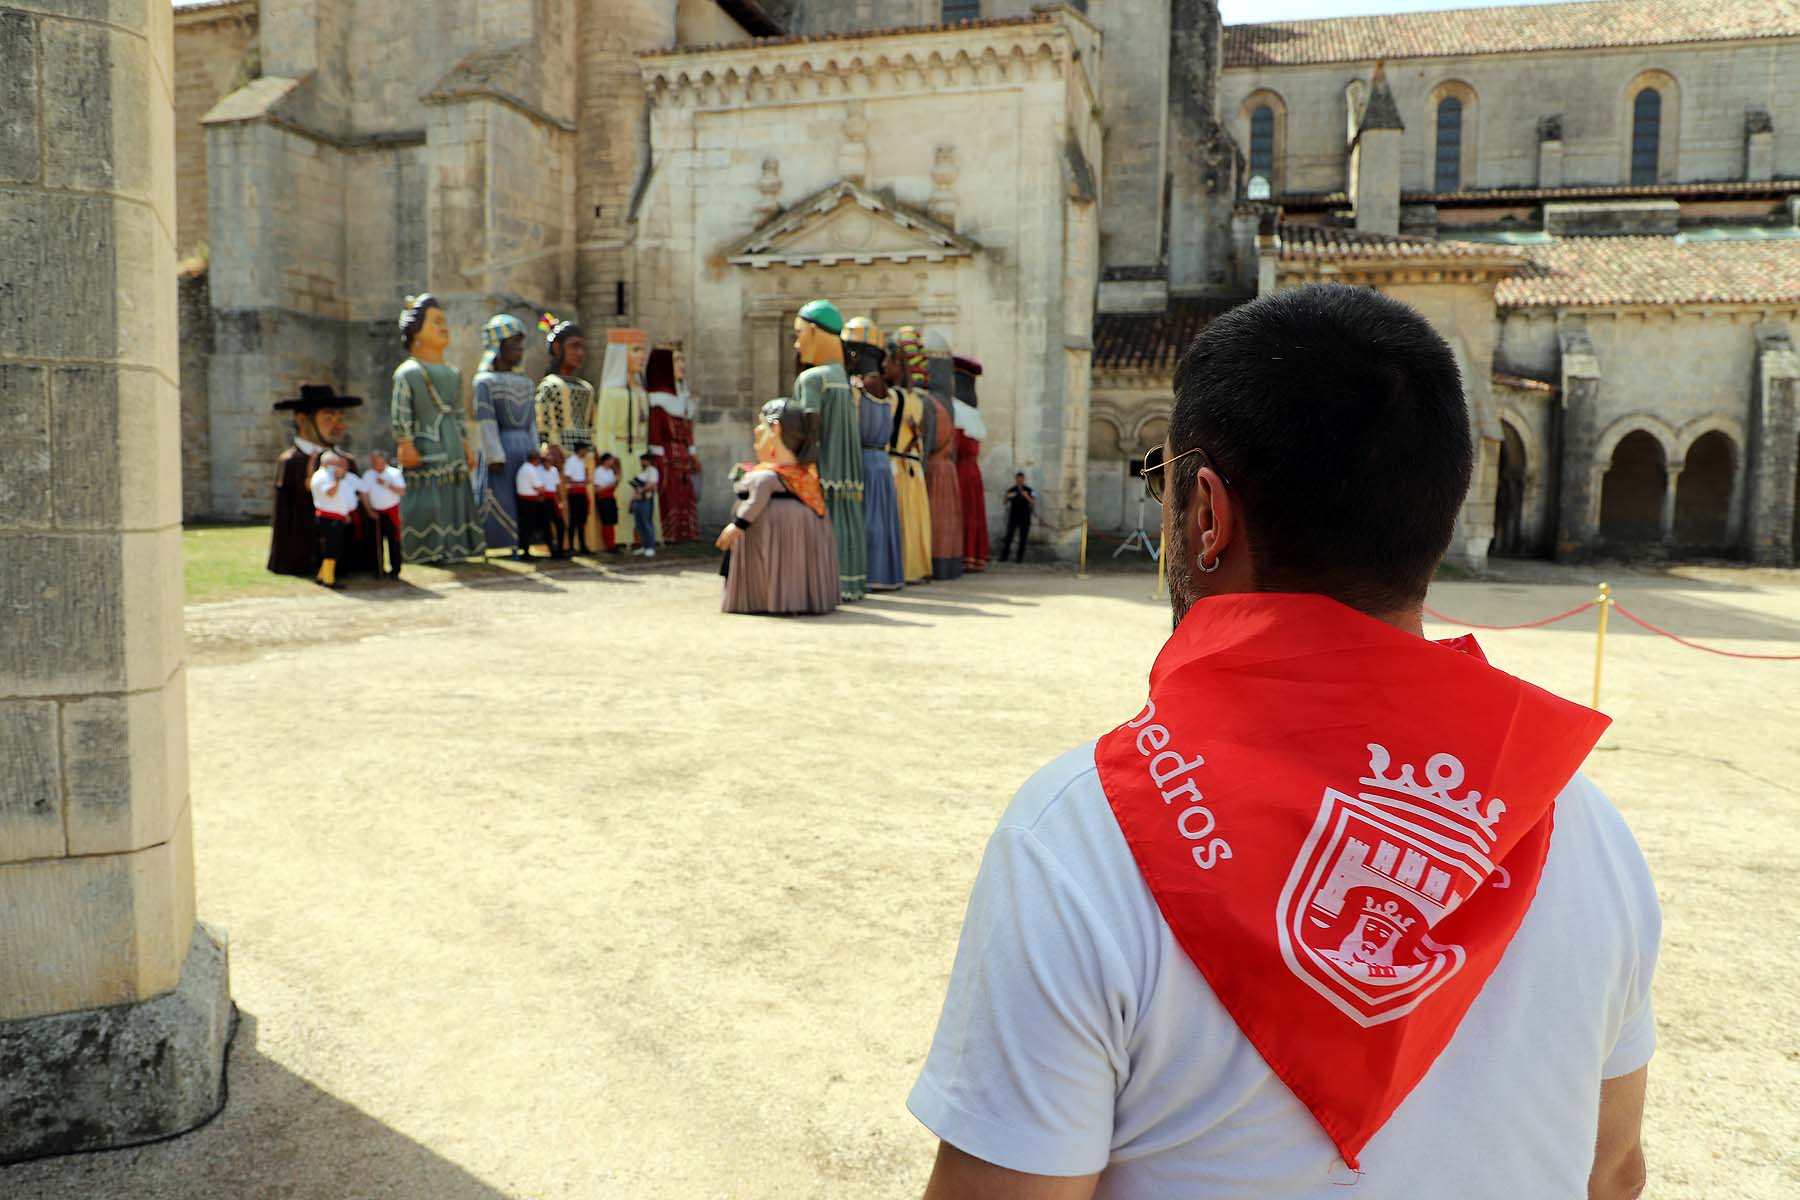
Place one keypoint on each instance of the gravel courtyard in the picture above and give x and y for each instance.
(565, 885)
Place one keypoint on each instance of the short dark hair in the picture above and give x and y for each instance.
(1337, 414)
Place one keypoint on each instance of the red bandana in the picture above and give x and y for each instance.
(1343, 825)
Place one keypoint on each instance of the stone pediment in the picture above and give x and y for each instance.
(847, 223)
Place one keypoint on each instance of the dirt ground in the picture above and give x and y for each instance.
(568, 886)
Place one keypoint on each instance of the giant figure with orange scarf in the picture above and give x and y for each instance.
(780, 553)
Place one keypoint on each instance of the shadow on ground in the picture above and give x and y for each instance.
(278, 1136)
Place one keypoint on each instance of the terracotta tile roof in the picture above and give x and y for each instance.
(858, 34)
(1152, 341)
(1454, 33)
(1607, 271)
(1322, 243)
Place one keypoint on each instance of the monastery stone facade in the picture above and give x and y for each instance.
(1596, 206)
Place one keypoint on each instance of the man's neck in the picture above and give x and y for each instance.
(1408, 620)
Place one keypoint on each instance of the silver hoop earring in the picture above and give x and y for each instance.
(1215, 564)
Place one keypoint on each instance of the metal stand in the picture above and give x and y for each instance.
(1139, 540)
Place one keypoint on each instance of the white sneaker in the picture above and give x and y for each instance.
(650, 553)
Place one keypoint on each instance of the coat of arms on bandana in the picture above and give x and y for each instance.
(1380, 869)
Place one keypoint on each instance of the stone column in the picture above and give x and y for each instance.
(1375, 160)
(1671, 484)
(1578, 496)
(113, 1001)
(1774, 446)
(614, 148)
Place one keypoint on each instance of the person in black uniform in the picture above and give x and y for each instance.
(1020, 503)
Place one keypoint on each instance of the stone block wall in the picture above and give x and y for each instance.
(1715, 84)
(95, 848)
(613, 148)
(215, 53)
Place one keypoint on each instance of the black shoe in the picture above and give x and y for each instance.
(336, 587)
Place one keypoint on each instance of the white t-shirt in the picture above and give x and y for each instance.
(376, 483)
(646, 479)
(1078, 1036)
(343, 501)
(575, 470)
(529, 482)
(605, 477)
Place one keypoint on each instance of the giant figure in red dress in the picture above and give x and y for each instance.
(672, 430)
(970, 430)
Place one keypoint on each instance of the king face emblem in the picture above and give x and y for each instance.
(1377, 872)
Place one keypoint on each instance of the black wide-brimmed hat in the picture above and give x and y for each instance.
(314, 396)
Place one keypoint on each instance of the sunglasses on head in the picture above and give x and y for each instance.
(1156, 475)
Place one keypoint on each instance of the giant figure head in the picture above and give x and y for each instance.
(424, 330)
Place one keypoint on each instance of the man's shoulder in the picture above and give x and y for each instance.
(1063, 809)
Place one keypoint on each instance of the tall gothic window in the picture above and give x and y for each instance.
(1449, 144)
(1646, 135)
(961, 10)
(1262, 143)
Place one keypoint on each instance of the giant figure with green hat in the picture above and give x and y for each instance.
(825, 389)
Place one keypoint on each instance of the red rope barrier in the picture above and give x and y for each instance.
(1434, 613)
(1631, 616)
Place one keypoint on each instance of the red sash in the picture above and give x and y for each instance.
(1343, 825)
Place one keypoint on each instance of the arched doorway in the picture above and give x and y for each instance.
(1631, 495)
(1509, 497)
(1703, 493)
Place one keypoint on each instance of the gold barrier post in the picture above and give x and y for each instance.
(1604, 602)
(1161, 552)
(1082, 573)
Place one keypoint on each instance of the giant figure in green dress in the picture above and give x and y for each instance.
(438, 517)
(825, 389)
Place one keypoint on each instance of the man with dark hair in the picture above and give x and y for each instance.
(1335, 907)
(1021, 502)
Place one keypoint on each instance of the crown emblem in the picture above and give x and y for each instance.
(1443, 775)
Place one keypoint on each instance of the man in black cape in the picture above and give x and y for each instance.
(293, 533)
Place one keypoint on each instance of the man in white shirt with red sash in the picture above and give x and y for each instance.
(1334, 909)
(335, 494)
(383, 485)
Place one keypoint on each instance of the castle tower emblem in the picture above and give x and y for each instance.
(1378, 872)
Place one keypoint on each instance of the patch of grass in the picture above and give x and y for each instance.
(227, 562)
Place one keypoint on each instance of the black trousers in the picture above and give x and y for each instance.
(575, 539)
(333, 534)
(387, 529)
(1020, 526)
